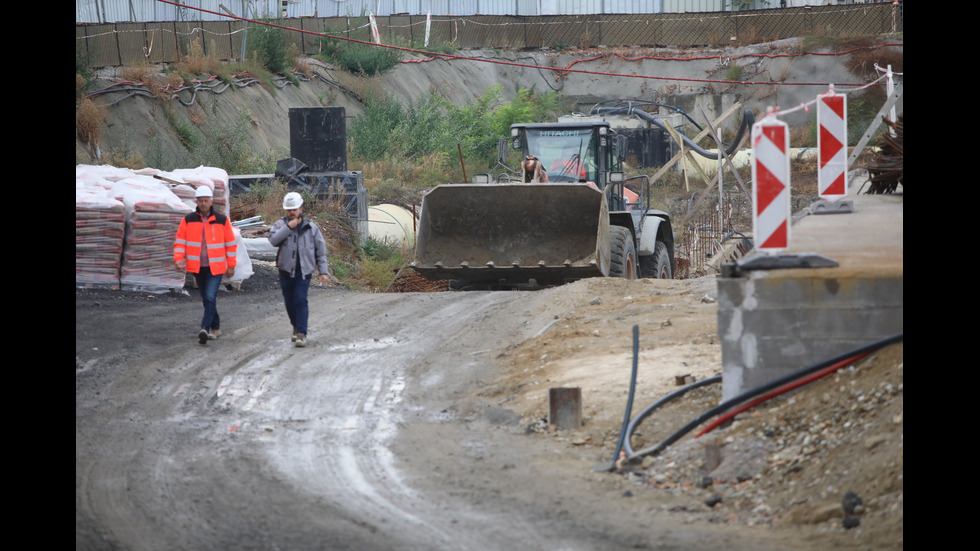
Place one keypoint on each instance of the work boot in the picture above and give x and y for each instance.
(214, 334)
(300, 340)
(202, 336)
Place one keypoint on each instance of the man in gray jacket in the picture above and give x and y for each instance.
(301, 249)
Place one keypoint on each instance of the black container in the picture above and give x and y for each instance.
(318, 137)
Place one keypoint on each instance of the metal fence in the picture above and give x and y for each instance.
(164, 42)
(711, 237)
(133, 11)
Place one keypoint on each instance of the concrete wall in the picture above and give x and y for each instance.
(772, 323)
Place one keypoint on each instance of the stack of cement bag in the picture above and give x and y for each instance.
(100, 225)
(154, 213)
(153, 203)
(214, 178)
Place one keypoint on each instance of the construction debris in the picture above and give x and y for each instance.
(888, 171)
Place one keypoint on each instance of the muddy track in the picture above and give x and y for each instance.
(370, 438)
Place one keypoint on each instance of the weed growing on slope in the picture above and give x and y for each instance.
(89, 119)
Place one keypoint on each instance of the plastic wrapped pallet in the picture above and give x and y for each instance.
(153, 216)
(147, 206)
(244, 268)
(100, 224)
(101, 174)
(215, 178)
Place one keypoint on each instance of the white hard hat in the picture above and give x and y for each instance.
(203, 191)
(292, 200)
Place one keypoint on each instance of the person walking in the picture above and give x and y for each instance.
(206, 247)
(301, 250)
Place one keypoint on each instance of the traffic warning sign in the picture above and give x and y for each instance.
(771, 189)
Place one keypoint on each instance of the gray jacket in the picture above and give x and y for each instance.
(304, 243)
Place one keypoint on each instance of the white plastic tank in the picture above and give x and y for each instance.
(392, 224)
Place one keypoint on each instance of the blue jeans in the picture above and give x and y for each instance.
(208, 284)
(294, 293)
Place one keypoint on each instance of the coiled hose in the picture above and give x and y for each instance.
(748, 119)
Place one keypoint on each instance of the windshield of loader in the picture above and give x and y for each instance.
(568, 154)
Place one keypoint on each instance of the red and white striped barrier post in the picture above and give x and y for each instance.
(374, 29)
(832, 145)
(770, 192)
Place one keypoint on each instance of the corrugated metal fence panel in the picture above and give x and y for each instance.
(103, 11)
(633, 6)
(188, 14)
(505, 7)
(110, 11)
(577, 7)
(335, 9)
(685, 6)
(86, 11)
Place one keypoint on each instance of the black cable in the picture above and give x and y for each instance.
(659, 403)
(728, 404)
(629, 401)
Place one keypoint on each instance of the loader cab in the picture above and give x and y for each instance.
(571, 152)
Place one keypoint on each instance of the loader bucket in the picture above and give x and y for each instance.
(513, 233)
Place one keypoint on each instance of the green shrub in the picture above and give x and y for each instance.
(226, 145)
(357, 57)
(341, 268)
(734, 73)
(479, 125)
(370, 132)
(267, 45)
(186, 132)
(215, 143)
(379, 263)
(429, 127)
(376, 274)
(382, 251)
(443, 48)
(84, 75)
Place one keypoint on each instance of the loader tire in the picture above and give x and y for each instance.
(656, 265)
(623, 252)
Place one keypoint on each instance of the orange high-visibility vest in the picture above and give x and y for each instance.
(218, 236)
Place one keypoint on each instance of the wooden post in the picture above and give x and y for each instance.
(565, 407)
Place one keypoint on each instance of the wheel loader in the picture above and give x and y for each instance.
(569, 214)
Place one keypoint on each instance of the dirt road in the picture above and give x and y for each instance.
(412, 421)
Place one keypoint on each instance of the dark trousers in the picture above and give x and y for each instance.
(208, 284)
(294, 293)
